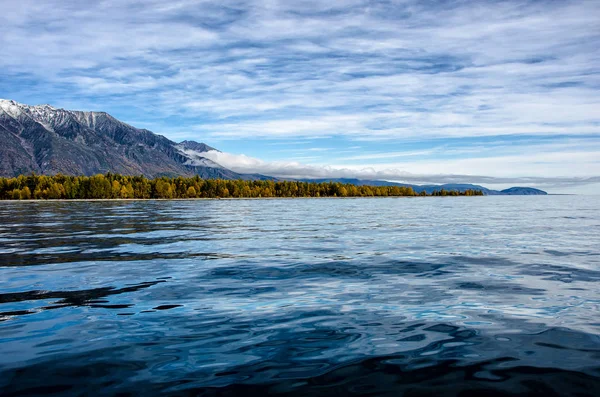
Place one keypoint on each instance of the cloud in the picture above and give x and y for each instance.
(360, 71)
(255, 68)
(448, 171)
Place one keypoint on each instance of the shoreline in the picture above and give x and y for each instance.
(228, 198)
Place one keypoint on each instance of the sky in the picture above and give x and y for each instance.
(499, 93)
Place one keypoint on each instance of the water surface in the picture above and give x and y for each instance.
(383, 296)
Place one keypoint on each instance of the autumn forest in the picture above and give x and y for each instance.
(114, 186)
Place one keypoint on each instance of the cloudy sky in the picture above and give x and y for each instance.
(494, 92)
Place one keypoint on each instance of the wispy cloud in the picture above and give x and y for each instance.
(366, 70)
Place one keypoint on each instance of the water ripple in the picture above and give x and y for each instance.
(486, 296)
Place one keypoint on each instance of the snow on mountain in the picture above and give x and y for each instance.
(47, 140)
(11, 108)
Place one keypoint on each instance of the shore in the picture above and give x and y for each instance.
(228, 198)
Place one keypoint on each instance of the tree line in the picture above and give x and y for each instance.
(115, 186)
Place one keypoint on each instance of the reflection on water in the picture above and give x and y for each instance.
(302, 297)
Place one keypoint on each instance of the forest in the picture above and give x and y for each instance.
(114, 186)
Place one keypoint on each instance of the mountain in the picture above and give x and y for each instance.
(461, 187)
(196, 147)
(522, 191)
(47, 140)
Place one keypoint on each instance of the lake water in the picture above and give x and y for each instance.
(384, 296)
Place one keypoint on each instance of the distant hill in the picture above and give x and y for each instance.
(522, 191)
(47, 140)
(431, 188)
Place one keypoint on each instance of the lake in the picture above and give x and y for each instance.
(307, 297)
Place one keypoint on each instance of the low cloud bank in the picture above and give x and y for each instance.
(295, 170)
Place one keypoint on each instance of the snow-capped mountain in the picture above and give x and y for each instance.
(47, 140)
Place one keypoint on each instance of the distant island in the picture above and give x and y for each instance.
(48, 141)
(115, 186)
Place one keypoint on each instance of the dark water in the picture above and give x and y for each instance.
(452, 296)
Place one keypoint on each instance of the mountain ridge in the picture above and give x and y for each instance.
(429, 189)
(48, 140)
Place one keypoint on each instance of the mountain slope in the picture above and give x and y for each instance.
(47, 140)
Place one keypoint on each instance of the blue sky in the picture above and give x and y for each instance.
(495, 92)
